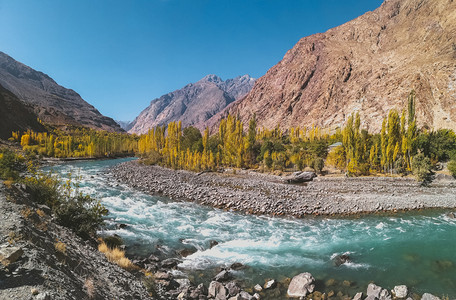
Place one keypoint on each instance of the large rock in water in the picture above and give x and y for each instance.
(301, 285)
(299, 177)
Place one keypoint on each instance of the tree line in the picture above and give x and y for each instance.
(76, 142)
(399, 148)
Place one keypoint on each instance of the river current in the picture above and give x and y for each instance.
(416, 249)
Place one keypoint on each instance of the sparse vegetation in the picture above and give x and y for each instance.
(60, 247)
(117, 256)
(452, 167)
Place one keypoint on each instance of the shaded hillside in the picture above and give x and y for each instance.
(194, 104)
(52, 103)
(15, 115)
(369, 65)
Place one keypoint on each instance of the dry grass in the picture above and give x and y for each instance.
(60, 247)
(8, 183)
(26, 213)
(13, 237)
(116, 256)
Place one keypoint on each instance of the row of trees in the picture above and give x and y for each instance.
(232, 146)
(76, 142)
(358, 152)
(350, 149)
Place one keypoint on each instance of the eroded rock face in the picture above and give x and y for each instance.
(301, 285)
(52, 103)
(369, 65)
(194, 104)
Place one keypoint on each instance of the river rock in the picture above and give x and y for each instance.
(223, 276)
(170, 263)
(270, 284)
(400, 291)
(8, 254)
(373, 290)
(341, 259)
(427, 296)
(301, 285)
(299, 177)
(245, 296)
(257, 288)
(233, 288)
(256, 296)
(217, 290)
(237, 266)
(358, 296)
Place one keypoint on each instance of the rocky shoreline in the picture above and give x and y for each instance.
(256, 193)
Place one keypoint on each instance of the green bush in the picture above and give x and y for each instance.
(11, 164)
(318, 164)
(83, 214)
(421, 167)
(452, 167)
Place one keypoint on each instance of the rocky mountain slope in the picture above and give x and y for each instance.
(42, 260)
(10, 109)
(193, 104)
(52, 103)
(369, 65)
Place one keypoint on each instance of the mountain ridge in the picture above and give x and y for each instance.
(193, 104)
(52, 103)
(368, 65)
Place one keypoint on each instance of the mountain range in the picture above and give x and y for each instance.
(193, 104)
(368, 65)
(51, 102)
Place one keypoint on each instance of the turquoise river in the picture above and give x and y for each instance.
(416, 249)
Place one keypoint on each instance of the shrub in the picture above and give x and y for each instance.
(452, 167)
(318, 164)
(421, 167)
(60, 247)
(81, 213)
(44, 188)
(11, 164)
(116, 256)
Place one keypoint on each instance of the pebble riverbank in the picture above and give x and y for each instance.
(257, 193)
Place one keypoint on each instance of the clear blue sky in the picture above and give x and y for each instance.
(119, 55)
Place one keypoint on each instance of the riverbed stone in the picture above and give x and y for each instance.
(373, 290)
(257, 288)
(223, 276)
(358, 296)
(217, 290)
(301, 285)
(270, 284)
(427, 296)
(233, 288)
(400, 291)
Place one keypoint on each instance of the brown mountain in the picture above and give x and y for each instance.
(15, 115)
(194, 104)
(369, 65)
(52, 103)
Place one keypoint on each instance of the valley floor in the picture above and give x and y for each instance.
(257, 193)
